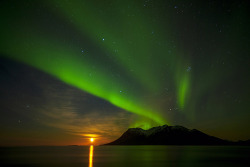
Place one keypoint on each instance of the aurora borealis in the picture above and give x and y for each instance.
(80, 69)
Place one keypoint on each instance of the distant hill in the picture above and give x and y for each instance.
(247, 142)
(170, 135)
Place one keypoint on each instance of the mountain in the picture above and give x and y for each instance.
(243, 143)
(167, 135)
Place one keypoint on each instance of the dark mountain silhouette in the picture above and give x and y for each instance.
(169, 135)
(247, 142)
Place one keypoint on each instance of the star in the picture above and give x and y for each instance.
(189, 68)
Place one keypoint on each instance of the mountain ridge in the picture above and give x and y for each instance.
(170, 135)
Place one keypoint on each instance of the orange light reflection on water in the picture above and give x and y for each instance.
(91, 151)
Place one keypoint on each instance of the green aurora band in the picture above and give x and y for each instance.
(129, 41)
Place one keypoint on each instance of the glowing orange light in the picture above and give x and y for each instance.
(91, 151)
(92, 140)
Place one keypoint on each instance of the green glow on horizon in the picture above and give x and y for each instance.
(144, 123)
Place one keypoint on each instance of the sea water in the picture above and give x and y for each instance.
(125, 156)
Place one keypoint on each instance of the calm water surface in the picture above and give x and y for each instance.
(126, 156)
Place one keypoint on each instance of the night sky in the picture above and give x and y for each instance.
(71, 70)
